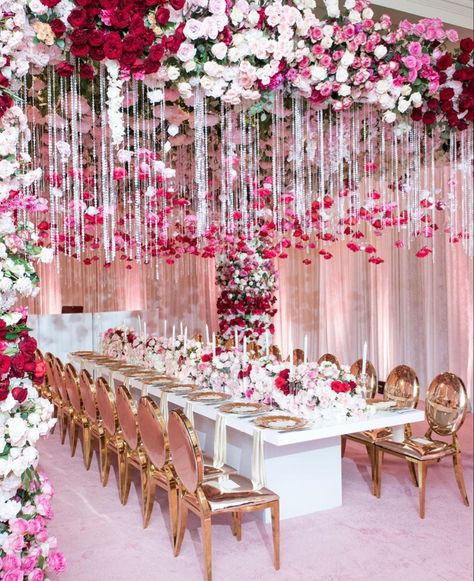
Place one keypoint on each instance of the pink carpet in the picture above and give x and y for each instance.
(364, 539)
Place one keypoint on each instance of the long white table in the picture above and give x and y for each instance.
(303, 467)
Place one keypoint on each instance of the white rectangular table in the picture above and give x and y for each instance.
(303, 467)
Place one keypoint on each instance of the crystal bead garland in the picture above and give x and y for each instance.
(200, 157)
(104, 165)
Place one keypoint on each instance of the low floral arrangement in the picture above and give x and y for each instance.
(317, 392)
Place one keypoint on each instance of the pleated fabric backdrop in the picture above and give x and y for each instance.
(409, 310)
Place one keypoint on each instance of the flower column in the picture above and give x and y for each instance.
(248, 279)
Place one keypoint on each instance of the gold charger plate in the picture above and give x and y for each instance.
(243, 407)
(209, 396)
(181, 388)
(281, 423)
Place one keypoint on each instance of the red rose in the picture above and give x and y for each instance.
(162, 16)
(150, 66)
(108, 4)
(4, 391)
(156, 53)
(40, 371)
(128, 58)
(50, 3)
(112, 45)
(446, 94)
(18, 365)
(429, 117)
(58, 27)
(206, 357)
(177, 4)
(97, 53)
(79, 50)
(462, 125)
(87, 72)
(20, 394)
(4, 364)
(446, 106)
(340, 386)
(132, 43)
(433, 104)
(28, 346)
(77, 18)
(444, 62)
(466, 44)
(64, 69)
(152, 3)
(464, 58)
(95, 38)
(120, 19)
(148, 37)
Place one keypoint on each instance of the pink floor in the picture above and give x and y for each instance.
(365, 539)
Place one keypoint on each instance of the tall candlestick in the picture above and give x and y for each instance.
(165, 334)
(305, 348)
(144, 329)
(185, 337)
(181, 328)
(291, 353)
(139, 325)
(364, 358)
(174, 337)
(213, 344)
(267, 343)
(207, 334)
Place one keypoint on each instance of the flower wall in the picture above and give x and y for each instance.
(26, 549)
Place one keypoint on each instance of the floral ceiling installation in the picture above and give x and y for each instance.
(166, 127)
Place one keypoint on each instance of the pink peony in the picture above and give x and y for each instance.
(18, 525)
(36, 575)
(56, 561)
(11, 562)
(13, 575)
(29, 563)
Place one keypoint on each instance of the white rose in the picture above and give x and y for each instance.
(236, 15)
(382, 86)
(318, 73)
(189, 66)
(193, 29)
(155, 96)
(347, 59)
(349, 4)
(212, 69)
(416, 99)
(389, 116)
(344, 90)
(326, 42)
(367, 13)
(234, 54)
(173, 73)
(380, 51)
(23, 286)
(354, 16)
(341, 74)
(219, 50)
(185, 90)
(46, 255)
(253, 17)
(9, 509)
(17, 430)
(403, 105)
(37, 7)
(186, 52)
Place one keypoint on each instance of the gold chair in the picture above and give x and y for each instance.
(62, 400)
(54, 395)
(275, 351)
(131, 453)
(76, 418)
(158, 469)
(403, 387)
(445, 411)
(112, 440)
(92, 428)
(329, 357)
(372, 382)
(43, 387)
(206, 498)
(298, 356)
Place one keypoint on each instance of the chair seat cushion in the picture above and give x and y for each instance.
(234, 491)
(211, 472)
(371, 436)
(419, 448)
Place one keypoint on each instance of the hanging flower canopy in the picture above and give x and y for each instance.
(163, 129)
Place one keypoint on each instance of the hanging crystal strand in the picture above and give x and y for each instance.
(274, 165)
(470, 189)
(136, 173)
(243, 169)
(146, 134)
(200, 159)
(383, 162)
(76, 188)
(223, 189)
(248, 176)
(320, 126)
(104, 165)
(298, 153)
(65, 175)
(52, 197)
(309, 176)
(53, 125)
(452, 181)
(80, 163)
(395, 142)
(230, 124)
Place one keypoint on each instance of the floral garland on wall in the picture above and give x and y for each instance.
(318, 392)
(248, 281)
(26, 549)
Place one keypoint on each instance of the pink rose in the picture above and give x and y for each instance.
(13, 575)
(28, 563)
(11, 562)
(414, 49)
(35, 526)
(18, 525)
(13, 544)
(410, 62)
(36, 575)
(56, 561)
(42, 536)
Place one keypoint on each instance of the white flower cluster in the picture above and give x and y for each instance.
(115, 102)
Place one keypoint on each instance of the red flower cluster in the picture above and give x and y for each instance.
(6, 100)
(282, 381)
(117, 30)
(455, 110)
(20, 365)
(342, 386)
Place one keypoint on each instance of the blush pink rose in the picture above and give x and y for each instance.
(11, 562)
(13, 575)
(36, 575)
(56, 561)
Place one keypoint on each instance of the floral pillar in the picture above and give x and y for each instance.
(248, 280)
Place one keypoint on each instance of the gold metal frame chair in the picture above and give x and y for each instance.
(206, 498)
(275, 351)
(76, 417)
(298, 356)
(62, 400)
(403, 387)
(329, 357)
(92, 428)
(445, 411)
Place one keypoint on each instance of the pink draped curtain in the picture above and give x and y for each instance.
(409, 310)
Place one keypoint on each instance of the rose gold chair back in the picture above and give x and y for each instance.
(275, 351)
(153, 432)
(330, 358)
(60, 380)
(106, 405)
(72, 387)
(185, 451)
(402, 386)
(446, 404)
(126, 416)
(298, 356)
(87, 389)
(49, 362)
(372, 383)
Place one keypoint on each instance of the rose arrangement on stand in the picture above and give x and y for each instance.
(248, 281)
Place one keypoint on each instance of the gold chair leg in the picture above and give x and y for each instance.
(276, 532)
(124, 475)
(144, 489)
(207, 545)
(371, 454)
(237, 525)
(173, 497)
(460, 477)
(104, 461)
(73, 436)
(149, 500)
(87, 446)
(422, 473)
(182, 521)
(412, 472)
(55, 415)
(378, 471)
(62, 426)
(343, 446)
